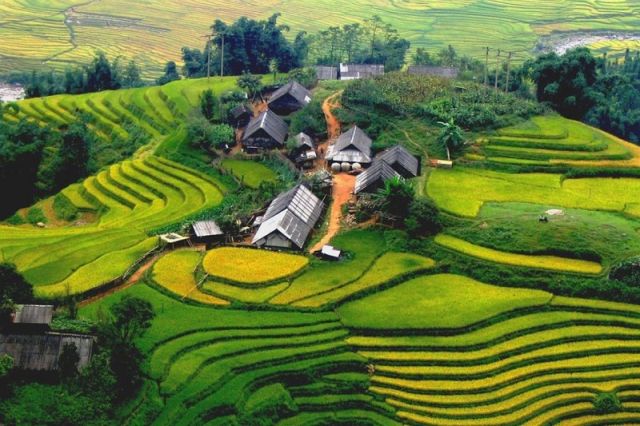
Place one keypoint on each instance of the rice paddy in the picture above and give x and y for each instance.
(250, 173)
(152, 34)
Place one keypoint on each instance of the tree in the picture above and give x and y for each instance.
(222, 135)
(422, 57)
(395, 198)
(252, 84)
(131, 77)
(68, 361)
(209, 104)
(130, 318)
(170, 74)
(423, 218)
(13, 286)
(451, 137)
(607, 403)
(72, 162)
(100, 75)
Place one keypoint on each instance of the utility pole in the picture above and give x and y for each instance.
(208, 37)
(497, 70)
(486, 69)
(222, 58)
(506, 87)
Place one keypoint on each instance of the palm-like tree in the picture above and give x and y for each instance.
(451, 136)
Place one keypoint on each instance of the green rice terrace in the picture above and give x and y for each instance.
(60, 32)
(512, 312)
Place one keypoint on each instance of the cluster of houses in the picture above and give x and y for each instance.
(358, 71)
(28, 339)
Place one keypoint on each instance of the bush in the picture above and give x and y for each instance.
(607, 403)
(423, 219)
(36, 215)
(63, 208)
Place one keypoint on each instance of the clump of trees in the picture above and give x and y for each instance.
(583, 87)
(100, 74)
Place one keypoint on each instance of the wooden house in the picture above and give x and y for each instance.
(304, 152)
(326, 73)
(401, 160)
(289, 98)
(435, 71)
(240, 116)
(31, 318)
(375, 177)
(264, 132)
(358, 71)
(289, 219)
(351, 147)
(206, 232)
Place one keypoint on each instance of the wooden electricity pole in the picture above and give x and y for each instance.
(222, 58)
(497, 70)
(208, 37)
(486, 69)
(506, 87)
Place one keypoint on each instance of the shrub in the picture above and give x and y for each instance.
(607, 403)
(423, 218)
(36, 215)
(63, 208)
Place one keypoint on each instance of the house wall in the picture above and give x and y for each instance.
(260, 139)
(285, 105)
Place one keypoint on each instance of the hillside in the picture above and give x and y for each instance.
(63, 32)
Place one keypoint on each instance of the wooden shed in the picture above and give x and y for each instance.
(402, 161)
(375, 177)
(351, 147)
(41, 352)
(207, 232)
(264, 132)
(358, 71)
(289, 98)
(435, 71)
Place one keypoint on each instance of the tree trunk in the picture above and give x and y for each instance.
(448, 152)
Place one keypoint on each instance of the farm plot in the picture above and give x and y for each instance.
(554, 263)
(133, 198)
(520, 359)
(481, 186)
(225, 364)
(250, 173)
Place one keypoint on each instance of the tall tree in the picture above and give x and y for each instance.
(450, 137)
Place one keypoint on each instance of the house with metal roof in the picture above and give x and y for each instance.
(375, 177)
(353, 146)
(401, 160)
(240, 115)
(206, 231)
(41, 352)
(303, 153)
(358, 71)
(326, 73)
(266, 131)
(289, 219)
(31, 318)
(435, 71)
(289, 98)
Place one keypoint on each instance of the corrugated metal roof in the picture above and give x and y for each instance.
(352, 146)
(446, 72)
(356, 71)
(42, 351)
(206, 228)
(399, 158)
(374, 177)
(296, 90)
(33, 314)
(302, 139)
(293, 213)
(326, 73)
(271, 123)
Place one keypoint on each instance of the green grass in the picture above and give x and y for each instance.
(482, 186)
(243, 294)
(436, 301)
(553, 263)
(251, 173)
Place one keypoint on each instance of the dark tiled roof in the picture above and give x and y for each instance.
(445, 72)
(296, 90)
(33, 314)
(42, 351)
(271, 123)
(399, 156)
(353, 146)
(302, 139)
(206, 228)
(293, 213)
(375, 176)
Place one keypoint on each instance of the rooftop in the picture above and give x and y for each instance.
(271, 123)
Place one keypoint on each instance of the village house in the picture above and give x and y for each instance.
(374, 177)
(264, 132)
(206, 232)
(401, 160)
(240, 116)
(31, 344)
(326, 73)
(304, 153)
(444, 72)
(351, 148)
(289, 98)
(289, 219)
(358, 71)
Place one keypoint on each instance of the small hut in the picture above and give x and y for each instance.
(304, 153)
(444, 72)
(31, 318)
(289, 98)
(41, 352)
(351, 147)
(206, 232)
(401, 160)
(358, 71)
(264, 132)
(289, 219)
(375, 177)
(240, 116)
(326, 73)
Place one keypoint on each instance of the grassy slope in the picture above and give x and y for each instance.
(251, 173)
(165, 27)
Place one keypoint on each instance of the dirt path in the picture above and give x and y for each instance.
(133, 279)
(343, 186)
(333, 128)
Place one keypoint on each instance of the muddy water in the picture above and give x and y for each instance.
(561, 42)
(11, 92)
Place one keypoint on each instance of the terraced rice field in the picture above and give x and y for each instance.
(157, 111)
(554, 141)
(221, 365)
(132, 198)
(34, 31)
(250, 173)
(529, 361)
(553, 263)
